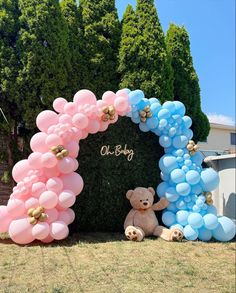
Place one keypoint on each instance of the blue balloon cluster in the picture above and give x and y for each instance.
(184, 179)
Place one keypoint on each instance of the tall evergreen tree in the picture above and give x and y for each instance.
(186, 83)
(143, 59)
(73, 19)
(102, 36)
(43, 46)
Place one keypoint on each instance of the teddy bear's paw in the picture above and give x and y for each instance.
(133, 234)
(176, 235)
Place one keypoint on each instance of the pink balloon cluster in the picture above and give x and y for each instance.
(45, 180)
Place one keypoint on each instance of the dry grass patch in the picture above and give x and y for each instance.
(108, 263)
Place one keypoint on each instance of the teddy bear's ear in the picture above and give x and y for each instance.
(151, 190)
(129, 194)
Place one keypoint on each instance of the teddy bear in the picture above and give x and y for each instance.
(141, 221)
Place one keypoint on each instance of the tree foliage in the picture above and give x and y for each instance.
(143, 59)
(186, 83)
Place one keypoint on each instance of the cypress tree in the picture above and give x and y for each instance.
(72, 16)
(144, 61)
(102, 36)
(43, 46)
(186, 83)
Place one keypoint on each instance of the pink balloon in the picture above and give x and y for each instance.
(51, 172)
(5, 219)
(52, 215)
(122, 93)
(54, 184)
(84, 97)
(53, 140)
(103, 126)
(20, 170)
(20, 231)
(101, 104)
(73, 149)
(48, 199)
(76, 163)
(109, 97)
(59, 230)
(114, 120)
(37, 142)
(80, 121)
(59, 104)
(67, 216)
(93, 126)
(48, 239)
(73, 182)
(121, 104)
(65, 118)
(38, 188)
(15, 207)
(34, 160)
(45, 119)
(84, 134)
(76, 134)
(49, 160)
(70, 108)
(66, 165)
(31, 203)
(66, 199)
(40, 230)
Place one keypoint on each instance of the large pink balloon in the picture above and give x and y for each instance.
(66, 165)
(73, 182)
(38, 188)
(15, 207)
(67, 216)
(45, 119)
(84, 96)
(20, 231)
(52, 215)
(49, 160)
(5, 219)
(73, 149)
(20, 170)
(59, 230)
(109, 97)
(48, 199)
(54, 184)
(53, 140)
(70, 108)
(66, 199)
(65, 118)
(80, 121)
(37, 142)
(34, 160)
(31, 203)
(121, 104)
(40, 230)
(51, 172)
(93, 126)
(59, 104)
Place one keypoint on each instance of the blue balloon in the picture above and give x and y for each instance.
(161, 189)
(172, 131)
(197, 158)
(199, 202)
(202, 197)
(197, 189)
(177, 175)
(212, 210)
(209, 179)
(168, 218)
(186, 156)
(179, 152)
(167, 163)
(155, 108)
(169, 106)
(156, 131)
(154, 100)
(187, 163)
(193, 177)
(165, 176)
(187, 121)
(135, 114)
(172, 207)
(195, 220)
(136, 96)
(196, 208)
(190, 233)
(152, 122)
(165, 141)
(182, 217)
(171, 194)
(210, 221)
(225, 231)
(164, 114)
(181, 205)
(180, 161)
(177, 226)
(135, 120)
(188, 133)
(180, 141)
(143, 127)
(204, 234)
(183, 188)
(190, 205)
(179, 108)
(142, 104)
(163, 123)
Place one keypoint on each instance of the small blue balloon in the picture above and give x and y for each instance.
(182, 217)
(187, 198)
(196, 208)
(187, 163)
(135, 114)
(181, 205)
(195, 220)
(209, 179)
(161, 189)
(179, 152)
(177, 175)
(135, 120)
(197, 158)
(177, 226)
(187, 121)
(183, 188)
(172, 207)
(199, 202)
(171, 194)
(154, 100)
(167, 163)
(197, 189)
(169, 106)
(168, 218)
(179, 108)
(136, 96)
(193, 177)
(163, 123)
(165, 141)
(210, 221)
(190, 205)
(155, 108)
(185, 168)
(152, 122)
(156, 131)
(143, 127)
(190, 233)
(186, 156)
(212, 210)
(204, 234)
(172, 131)
(164, 114)
(188, 133)
(225, 231)
(180, 141)
(165, 176)
(179, 160)
(202, 197)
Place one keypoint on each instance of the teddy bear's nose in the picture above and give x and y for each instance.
(145, 203)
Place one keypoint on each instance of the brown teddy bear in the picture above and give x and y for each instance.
(141, 220)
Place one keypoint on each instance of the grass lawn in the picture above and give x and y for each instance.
(108, 263)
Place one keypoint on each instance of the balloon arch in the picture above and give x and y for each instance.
(47, 184)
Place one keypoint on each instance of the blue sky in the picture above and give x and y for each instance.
(211, 27)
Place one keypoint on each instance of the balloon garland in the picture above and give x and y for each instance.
(47, 184)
